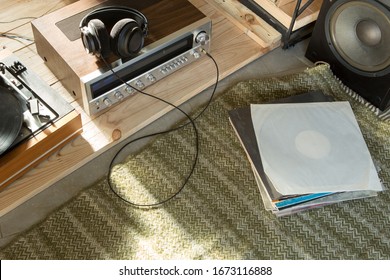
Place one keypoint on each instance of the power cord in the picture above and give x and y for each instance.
(191, 120)
(14, 36)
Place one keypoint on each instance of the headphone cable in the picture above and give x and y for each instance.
(191, 120)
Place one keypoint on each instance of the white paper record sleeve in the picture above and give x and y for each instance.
(313, 147)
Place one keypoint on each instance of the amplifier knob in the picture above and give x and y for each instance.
(118, 95)
(151, 78)
(196, 54)
(107, 102)
(139, 84)
(129, 90)
(202, 38)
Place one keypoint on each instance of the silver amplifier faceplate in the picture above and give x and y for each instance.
(104, 89)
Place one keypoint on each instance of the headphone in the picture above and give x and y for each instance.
(121, 30)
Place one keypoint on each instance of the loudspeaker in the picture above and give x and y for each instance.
(120, 30)
(354, 38)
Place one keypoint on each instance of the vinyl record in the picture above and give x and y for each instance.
(11, 118)
(313, 149)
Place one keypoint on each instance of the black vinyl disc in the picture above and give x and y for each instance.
(11, 118)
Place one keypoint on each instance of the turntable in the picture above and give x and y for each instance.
(35, 121)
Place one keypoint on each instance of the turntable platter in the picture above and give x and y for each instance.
(11, 118)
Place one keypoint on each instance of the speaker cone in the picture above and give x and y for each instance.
(358, 34)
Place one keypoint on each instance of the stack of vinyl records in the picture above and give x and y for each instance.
(306, 151)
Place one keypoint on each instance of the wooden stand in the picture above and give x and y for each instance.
(253, 25)
(230, 47)
(29, 154)
(284, 12)
(294, 19)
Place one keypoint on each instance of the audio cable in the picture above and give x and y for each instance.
(191, 121)
(14, 36)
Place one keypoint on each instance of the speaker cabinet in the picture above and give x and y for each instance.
(354, 38)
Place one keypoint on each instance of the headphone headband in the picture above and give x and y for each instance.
(110, 14)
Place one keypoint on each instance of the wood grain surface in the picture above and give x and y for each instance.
(231, 47)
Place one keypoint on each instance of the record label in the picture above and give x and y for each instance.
(313, 144)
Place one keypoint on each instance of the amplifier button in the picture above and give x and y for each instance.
(107, 102)
(151, 78)
(118, 95)
(139, 84)
(196, 54)
(164, 71)
(129, 90)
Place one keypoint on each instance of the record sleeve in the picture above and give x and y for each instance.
(313, 148)
(241, 121)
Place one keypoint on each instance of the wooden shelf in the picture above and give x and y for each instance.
(251, 24)
(231, 47)
(283, 13)
(294, 19)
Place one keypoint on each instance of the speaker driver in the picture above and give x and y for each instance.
(358, 34)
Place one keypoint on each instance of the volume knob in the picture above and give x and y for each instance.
(202, 38)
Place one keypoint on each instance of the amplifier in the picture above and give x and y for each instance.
(178, 34)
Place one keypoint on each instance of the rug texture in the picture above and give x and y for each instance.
(219, 214)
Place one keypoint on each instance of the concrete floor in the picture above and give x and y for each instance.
(277, 62)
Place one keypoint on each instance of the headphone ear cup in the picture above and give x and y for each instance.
(102, 39)
(127, 38)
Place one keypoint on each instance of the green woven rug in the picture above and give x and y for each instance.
(219, 214)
